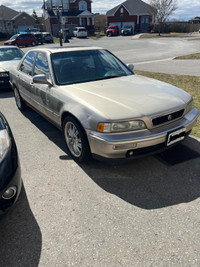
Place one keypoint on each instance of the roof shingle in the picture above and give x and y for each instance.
(134, 7)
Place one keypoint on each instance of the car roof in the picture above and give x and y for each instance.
(66, 49)
(10, 46)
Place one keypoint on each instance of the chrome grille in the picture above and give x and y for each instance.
(167, 118)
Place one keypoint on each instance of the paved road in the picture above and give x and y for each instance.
(150, 54)
(138, 213)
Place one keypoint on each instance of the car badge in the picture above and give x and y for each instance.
(169, 117)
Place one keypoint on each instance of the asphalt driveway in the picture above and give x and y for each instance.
(138, 213)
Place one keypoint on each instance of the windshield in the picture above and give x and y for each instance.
(7, 54)
(84, 66)
(127, 27)
(13, 37)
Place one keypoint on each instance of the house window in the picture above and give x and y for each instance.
(122, 10)
(82, 6)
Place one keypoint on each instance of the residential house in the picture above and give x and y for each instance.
(195, 20)
(12, 21)
(133, 12)
(68, 14)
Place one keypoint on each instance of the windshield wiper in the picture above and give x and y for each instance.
(109, 77)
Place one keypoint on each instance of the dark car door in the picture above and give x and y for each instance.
(24, 77)
(20, 40)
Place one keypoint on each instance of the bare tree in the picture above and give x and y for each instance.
(162, 9)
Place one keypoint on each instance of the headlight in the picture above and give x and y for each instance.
(189, 106)
(124, 126)
(4, 144)
(4, 74)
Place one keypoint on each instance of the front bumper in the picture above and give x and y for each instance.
(135, 144)
(10, 175)
(13, 180)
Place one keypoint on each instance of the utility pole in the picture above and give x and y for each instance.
(60, 30)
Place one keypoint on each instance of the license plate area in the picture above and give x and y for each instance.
(176, 136)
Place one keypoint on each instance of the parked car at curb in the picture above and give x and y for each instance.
(102, 107)
(112, 30)
(22, 39)
(39, 38)
(80, 32)
(9, 58)
(10, 171)
(47, 37)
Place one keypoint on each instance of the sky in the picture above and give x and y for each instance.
(186, 10)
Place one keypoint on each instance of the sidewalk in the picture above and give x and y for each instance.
(171, 66)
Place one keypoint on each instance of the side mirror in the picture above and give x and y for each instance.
(41, 79)
(130, 66)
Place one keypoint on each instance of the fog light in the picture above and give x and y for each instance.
(10, 192)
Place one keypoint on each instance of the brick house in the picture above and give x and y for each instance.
(133, 12)
(12, 21)
(68, 14)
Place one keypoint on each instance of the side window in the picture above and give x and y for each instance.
(41, 65)
(82, 6)
(28, 62)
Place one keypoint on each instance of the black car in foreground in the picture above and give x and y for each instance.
(10, 171)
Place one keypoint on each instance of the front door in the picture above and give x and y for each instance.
(44, 93)
(144, 26)
(25, 77)
(84, 22)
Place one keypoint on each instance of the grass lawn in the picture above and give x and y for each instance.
(194, 39)
(191, 56)
(188, 83)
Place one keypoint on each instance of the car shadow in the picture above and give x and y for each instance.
(6, 93)
(20, 236)
(53, 133)
(167, 179)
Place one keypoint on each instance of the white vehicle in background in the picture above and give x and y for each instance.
(80, 32)
(9, 58)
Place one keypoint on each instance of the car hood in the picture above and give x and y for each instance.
(8, 41)
(130, 96)
(7, 65)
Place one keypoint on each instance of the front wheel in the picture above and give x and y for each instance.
(18, 99)
(33, 43)
(76, 140)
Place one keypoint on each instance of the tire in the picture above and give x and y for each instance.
(76, 140)
(33, 43)
(18, 99)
